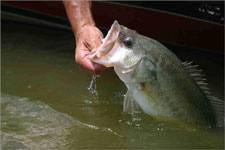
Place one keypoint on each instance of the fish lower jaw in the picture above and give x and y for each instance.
(103, 61)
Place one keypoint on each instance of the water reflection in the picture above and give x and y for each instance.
(33, 125)
(29, 124)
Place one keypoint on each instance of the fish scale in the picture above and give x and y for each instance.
(159, 82)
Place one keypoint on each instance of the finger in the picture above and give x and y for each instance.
(81, 57)
(91, 66)
(98, 68)
(87, 45)
(87, 65)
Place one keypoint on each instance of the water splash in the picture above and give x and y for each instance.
(135, 113)
(136, 119)
(93, 86)
(160, 127)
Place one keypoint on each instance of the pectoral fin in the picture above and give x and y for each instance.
(129, 104)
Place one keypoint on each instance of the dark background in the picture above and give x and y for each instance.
(207, 10)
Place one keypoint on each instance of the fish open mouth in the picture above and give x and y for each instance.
(107, 43)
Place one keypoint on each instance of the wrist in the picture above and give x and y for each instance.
(83, 29)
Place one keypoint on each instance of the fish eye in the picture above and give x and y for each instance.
(128, 41)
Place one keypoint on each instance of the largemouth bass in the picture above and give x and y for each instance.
(157, 81)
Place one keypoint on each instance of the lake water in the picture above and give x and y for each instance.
(48, 102)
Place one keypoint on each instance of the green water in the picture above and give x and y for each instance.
(46, 103)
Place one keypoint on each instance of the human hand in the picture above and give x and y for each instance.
(88, 39)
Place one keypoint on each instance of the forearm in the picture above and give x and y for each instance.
(88, 36)
(79, 14)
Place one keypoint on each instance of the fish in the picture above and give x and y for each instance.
(157, 81)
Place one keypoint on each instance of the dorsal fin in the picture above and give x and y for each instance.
(218, 106)
(196, 74)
